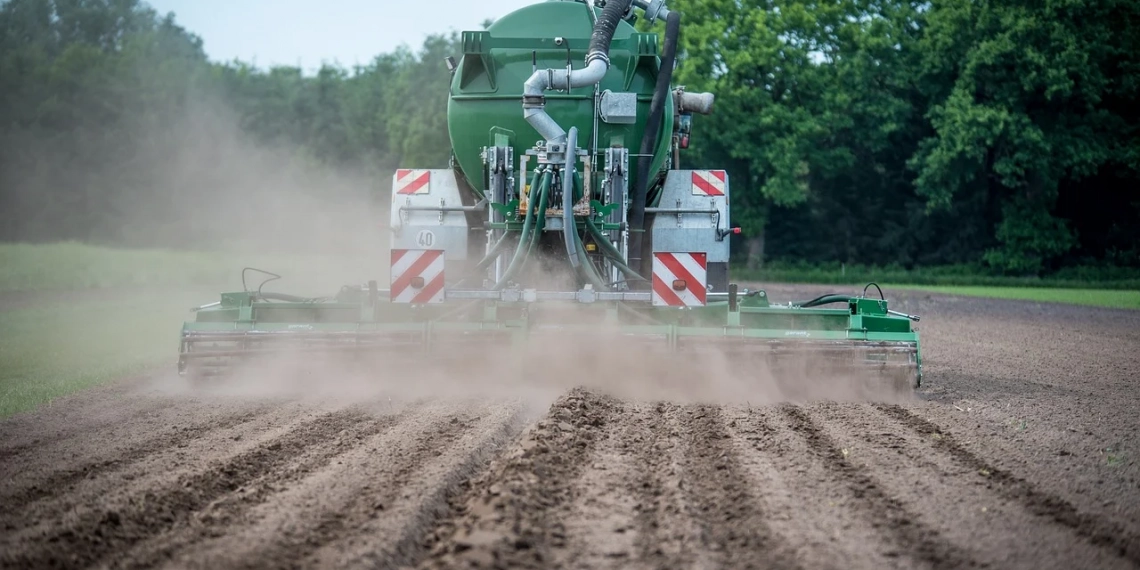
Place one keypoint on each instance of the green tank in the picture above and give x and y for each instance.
(487, 86)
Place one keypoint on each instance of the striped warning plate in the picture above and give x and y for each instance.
(417, 276)
(679, 279)
(412, 182)
(709, 182)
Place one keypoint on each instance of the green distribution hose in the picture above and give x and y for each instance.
(608, 248)
(589, 271)
(611, 251)
(528, 226)
(491, 255)
(540, 225)
(496, 249)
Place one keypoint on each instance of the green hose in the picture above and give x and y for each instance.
(528, 226)
(540, 224)
(491, 255)
(824, 300)
(588, 270)
(612, 252)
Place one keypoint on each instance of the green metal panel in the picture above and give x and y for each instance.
(486, 92)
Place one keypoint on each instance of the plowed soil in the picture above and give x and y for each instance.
(1020, 450)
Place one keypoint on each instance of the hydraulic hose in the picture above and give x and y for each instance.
(588, 270)
(540, 223)
(491, 255)
(611, 251)
(824, 300)
(528, 227)
(649, 139)
(569, 230)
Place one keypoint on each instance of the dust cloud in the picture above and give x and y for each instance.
(548, 365)
(211, 185)
(553, 361)
(266, 200)
(198, 180)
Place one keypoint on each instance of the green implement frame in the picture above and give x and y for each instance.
(361, 321)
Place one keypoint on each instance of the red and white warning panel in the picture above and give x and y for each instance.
(680, 279)
(408, 182)
(709, 182)
(417, 276)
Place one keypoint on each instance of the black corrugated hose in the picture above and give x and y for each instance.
(649, 140)
(607, 23)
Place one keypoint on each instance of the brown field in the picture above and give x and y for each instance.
(1021, 450)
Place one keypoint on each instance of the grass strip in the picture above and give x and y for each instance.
(1110, 298)
(53, 349)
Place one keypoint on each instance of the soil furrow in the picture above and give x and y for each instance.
(734, 529)
(145, 475)
(952, 498)
(345, 524)
(815, 513)
(104, 534)
(416, 504)
(296, 516)
(597, 520)
(228, 515)
(923, 542)
(667, 531)
(1095, 530)
(506, 517)
(61, 482)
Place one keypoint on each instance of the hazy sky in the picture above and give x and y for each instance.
(309, 32)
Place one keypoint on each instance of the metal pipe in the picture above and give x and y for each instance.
(679, 211)
(597, 64)
(654, 9)
(482, 204)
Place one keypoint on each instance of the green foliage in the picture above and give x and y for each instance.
(1026, 97)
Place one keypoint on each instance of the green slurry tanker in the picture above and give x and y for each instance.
(564, 214)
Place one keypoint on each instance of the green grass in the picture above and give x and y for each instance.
(1083, 277)
(54, 349)
(1111, 298)
(53, 344)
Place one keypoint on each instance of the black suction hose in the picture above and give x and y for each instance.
(649, 139)
(604, 28)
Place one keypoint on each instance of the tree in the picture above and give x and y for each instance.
(1026, 97)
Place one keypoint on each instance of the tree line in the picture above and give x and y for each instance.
(996, 133)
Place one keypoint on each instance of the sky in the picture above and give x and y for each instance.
(307, 33)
